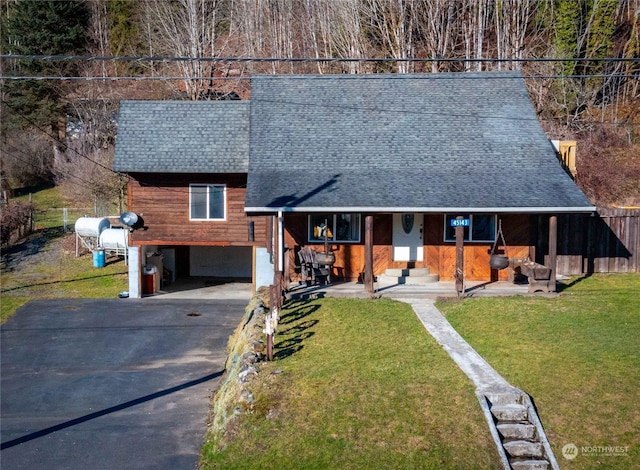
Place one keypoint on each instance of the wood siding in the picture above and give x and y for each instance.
(607, 242)
(163, 202)
(439, 256)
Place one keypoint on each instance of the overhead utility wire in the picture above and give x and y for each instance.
(301, 59)
(435, 77)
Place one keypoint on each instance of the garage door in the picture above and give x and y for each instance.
(220, 261)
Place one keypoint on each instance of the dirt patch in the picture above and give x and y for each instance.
(24, 265)
(41, 248)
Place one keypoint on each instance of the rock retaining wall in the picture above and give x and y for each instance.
(246, 349)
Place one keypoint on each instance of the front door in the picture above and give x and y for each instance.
(407, 237)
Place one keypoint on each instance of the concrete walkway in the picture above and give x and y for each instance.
(470, 362)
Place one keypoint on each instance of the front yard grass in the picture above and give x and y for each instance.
(362, 385)
(577, 355)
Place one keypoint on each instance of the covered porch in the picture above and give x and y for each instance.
(440, 289)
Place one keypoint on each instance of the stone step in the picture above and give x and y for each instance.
(517, 430)
(510, 412)
(407, 272)
(527, 449)
(529, 464)
(505, 398)
(409, 277)
(418, 281)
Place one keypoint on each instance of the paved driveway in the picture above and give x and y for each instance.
(110, 384)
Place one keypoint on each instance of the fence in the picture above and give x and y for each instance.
(16, 222)
(20, 219)
(606, 242)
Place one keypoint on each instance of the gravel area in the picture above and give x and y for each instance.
(20, 262)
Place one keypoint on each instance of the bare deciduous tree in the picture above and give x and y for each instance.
(346, 33)
(83, 167)
(186, 28)
(511, 21)
(439, 29)
(392, 22)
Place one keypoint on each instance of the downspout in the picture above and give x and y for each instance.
(280, 242)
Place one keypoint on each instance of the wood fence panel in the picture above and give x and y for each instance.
(607, 242)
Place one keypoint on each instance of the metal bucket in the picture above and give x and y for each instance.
(498, 262)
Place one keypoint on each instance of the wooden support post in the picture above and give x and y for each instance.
(269, 329)
(553, 251)
(280, 287)
(368, 253)
(459, 258)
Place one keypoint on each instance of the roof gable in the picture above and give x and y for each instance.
(183, 137)
(402, 142)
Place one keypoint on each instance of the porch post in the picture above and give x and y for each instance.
(368, 253)
(553, 250)
(277, 288)
(280, 241)
(459, 229)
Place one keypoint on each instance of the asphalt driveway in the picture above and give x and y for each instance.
(110, 384)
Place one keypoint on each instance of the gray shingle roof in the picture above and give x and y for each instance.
(402, 142)
(183, 137)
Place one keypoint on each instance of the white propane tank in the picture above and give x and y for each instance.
(91, 226)
(113, 239)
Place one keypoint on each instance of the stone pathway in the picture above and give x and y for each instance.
(472, 364)
(510, 414)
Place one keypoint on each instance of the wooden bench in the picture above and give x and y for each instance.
(539, 275)
(315, 267)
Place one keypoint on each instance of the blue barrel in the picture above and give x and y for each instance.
(99, 258)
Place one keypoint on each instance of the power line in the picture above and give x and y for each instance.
(312, 60)
(435, 77)
(308, 59)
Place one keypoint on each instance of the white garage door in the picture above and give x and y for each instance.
(220, 261)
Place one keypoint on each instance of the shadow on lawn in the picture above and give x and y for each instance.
(290, 338)
(561, 286)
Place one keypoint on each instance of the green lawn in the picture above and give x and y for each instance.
(578, 355)
(362, 386)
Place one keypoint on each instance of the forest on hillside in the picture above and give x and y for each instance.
(66, 65)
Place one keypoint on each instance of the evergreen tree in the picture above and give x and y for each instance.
(567, 29)
(37, 27)
(124, 32)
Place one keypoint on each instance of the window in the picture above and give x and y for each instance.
(336, 227)
(207, 201)
(482, 228)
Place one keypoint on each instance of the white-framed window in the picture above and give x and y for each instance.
(341, 228)
(207, 202)
(481, 228)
